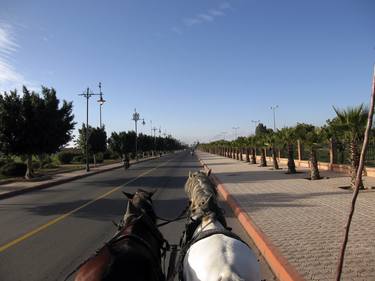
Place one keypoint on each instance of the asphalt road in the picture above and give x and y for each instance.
(45, 234)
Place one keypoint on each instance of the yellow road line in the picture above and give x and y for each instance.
(60, 218)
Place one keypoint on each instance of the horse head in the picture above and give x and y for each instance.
(139, 204)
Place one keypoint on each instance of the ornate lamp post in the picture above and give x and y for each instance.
(136, 118)
(101, 101)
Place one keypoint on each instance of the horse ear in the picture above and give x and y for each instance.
(152, 192)
(208, 173)
(189, 174)
(128, 195)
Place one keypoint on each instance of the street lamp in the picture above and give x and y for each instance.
(255, 122)
(136, 118)
(154, 129)
(87, 95)
(223, 134)
(273, 108)
(101, 101)
(235, 131)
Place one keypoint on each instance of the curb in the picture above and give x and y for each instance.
(62, 181)
(277, 262)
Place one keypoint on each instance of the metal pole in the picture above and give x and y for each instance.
(274, 116)
(87, 130)
(136, 141)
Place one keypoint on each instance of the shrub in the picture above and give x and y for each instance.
(13, 169)
(99, 158)
(78, 159)
(107, 155)
(66, 157)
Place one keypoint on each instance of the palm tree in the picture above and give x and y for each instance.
(287, 137)
(260, 142)
(252, 142)
(271, 143)
(312, 137)
(352, 123)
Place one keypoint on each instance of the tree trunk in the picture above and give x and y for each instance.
(263, 160)
(94, 157)
(29, 171)
(247, 155)
(314, 170)
(274, 159)
(253, 156)
(354, 164)
(241, 157)
(291, 164)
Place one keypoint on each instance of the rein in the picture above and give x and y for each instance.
(181, 216)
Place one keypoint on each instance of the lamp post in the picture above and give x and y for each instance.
(154, 129)
(273, 108)
(87, 95)
(223, 134)
(255, 122)
(136, 118)
(235, 131)
(101, 101)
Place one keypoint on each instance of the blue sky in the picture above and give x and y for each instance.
(195, 68)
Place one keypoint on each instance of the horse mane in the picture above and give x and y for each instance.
(200, 188)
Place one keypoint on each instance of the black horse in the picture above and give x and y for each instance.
(135, 252)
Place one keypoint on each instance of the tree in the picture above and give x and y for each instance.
(117, 143)
(287, 137)
(271, 141)
(352, 123)
(33, 124)
(312, 137)
(261, 129)
(97, 141)
(253, 143)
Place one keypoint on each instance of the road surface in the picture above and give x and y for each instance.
(45, 234)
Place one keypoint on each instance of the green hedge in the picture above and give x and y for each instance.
(14, 169)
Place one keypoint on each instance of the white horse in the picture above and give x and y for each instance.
(218, 255)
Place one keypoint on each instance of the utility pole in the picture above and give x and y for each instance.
(273, 108)
(87, 95)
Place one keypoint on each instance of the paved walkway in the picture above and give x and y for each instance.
(304, 219)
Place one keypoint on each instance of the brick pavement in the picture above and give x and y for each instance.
(304, 219)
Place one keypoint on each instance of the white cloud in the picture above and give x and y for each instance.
(216, 13)
(207, 17)
(10, 78)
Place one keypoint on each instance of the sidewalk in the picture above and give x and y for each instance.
(20, 187)
(304, 219)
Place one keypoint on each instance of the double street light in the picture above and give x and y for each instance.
(273, 108)
(88, 94)
(235, 129)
